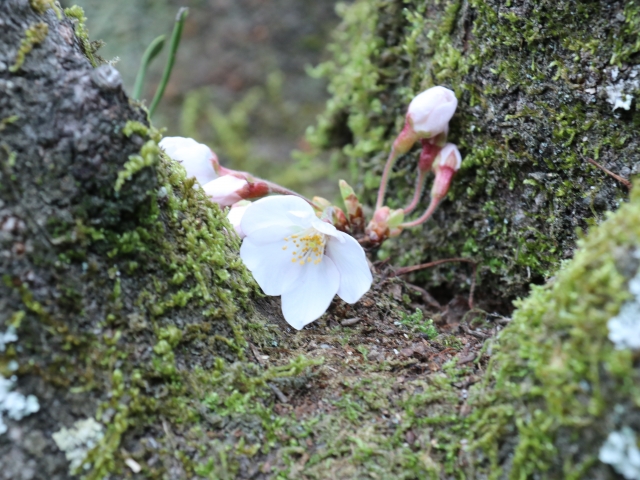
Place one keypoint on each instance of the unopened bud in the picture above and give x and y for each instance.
(197, 159)
(427, 155)
(378, 228)
(321, 202)
(428, 116)
(446, 164)
(336, 217)
(353, 206)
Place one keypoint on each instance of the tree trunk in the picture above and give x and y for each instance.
(145, 350)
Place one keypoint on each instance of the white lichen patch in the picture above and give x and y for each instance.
(624, 328)
(620, 450)
(76, 442)
(7, 337)
(13, 404)
(618, 93)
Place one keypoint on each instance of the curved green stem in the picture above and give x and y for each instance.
(173, 48)
(152, 51)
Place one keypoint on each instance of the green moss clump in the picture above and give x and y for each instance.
(34, 35)
(555, 376)
(42, 6)
(89, 48)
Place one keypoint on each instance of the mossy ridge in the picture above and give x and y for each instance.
(175, 283)
(525, 123)
(556, 376)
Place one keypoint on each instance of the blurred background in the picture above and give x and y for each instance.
(240, 81)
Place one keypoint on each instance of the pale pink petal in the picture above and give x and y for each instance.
(235, 217)
(224, 190)
(271, 266)
(196, 158)
(351, 262)
(311, 293)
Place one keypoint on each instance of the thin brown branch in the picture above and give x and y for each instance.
(424, 266)
(622, 180)
(435, 263)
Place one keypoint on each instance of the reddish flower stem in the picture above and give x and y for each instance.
(422, 176)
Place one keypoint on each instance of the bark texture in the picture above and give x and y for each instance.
(151, 353)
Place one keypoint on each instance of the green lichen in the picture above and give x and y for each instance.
(34, 35)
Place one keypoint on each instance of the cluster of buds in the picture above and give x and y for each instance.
(427, 121)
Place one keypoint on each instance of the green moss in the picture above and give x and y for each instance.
(556, 376)
(34, 35)
(42, 6)
(524, 124)
(89, 48)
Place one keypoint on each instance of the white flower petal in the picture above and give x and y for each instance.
(270, 265)
(274, 211)
(235, 217)
(324, 227)
(224, 190)
(311, 294)
(196, 158)
(355, 275)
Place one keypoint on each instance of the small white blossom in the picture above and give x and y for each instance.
(620, 450)
(197, 159)
(293, 253)
(430, 111)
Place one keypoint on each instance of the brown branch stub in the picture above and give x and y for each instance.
(620, 179)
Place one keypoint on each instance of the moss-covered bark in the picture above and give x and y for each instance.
(138, 325)
(531, 78)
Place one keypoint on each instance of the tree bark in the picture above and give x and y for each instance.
(151, 352)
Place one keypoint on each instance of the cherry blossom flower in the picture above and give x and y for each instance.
(294, 254)
(197, 159)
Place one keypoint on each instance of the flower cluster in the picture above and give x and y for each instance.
(308, 251)
(427, 121)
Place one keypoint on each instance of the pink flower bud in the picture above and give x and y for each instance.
(428, 116)
(197, 159)
(378, 228)
(427, 155)
(446, 164)
(235, 215)
(384, 224)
